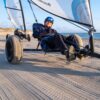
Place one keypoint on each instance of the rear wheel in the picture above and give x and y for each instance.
(13, 49)
(79, 41)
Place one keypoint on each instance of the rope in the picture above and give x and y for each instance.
(33, 11)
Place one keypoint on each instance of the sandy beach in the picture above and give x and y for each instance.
(49, 77)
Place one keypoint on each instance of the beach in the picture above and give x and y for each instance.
(50, 76)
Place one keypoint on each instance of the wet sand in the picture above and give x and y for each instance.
(49, 77)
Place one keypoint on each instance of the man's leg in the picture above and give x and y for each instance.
(43, 44)
(47, 43)
(60, 43)
(63, 46)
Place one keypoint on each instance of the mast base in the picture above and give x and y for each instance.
(91, 39)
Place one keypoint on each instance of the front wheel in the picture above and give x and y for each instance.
(13, 49)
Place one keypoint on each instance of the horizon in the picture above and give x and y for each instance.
(59, 25)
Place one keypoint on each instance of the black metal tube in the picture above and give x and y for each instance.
(23, 15)
(91, 39)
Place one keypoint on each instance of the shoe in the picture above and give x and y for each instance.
(27, 36)
(70, 56)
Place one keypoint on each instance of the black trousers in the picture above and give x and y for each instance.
(58, 41)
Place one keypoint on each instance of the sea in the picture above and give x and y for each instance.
(85, 35)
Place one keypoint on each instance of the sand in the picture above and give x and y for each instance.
(49, 77)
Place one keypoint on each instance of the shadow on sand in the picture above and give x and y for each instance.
(28, 66)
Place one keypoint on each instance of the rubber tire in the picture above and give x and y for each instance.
(13, 49)
(79, 41)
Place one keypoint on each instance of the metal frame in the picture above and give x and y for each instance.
(91, 54)
(91, 39)
(86, 51)
(23, 15)
(91, 31)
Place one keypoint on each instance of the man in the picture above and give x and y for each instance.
(51, 39)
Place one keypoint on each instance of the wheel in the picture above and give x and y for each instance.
(13, 49)
(79, 41)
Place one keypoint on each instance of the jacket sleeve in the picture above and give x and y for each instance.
(37, 30)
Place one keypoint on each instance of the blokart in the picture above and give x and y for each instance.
(14, 50)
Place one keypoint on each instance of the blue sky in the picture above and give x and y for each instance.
(60, 25)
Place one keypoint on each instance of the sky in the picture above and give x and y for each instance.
(59, 24)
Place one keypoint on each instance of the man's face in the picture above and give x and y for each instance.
(48, 24)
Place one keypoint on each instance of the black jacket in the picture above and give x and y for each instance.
(39, 30)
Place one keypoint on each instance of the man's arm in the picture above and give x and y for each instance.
(37, 30)
(40, 31)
